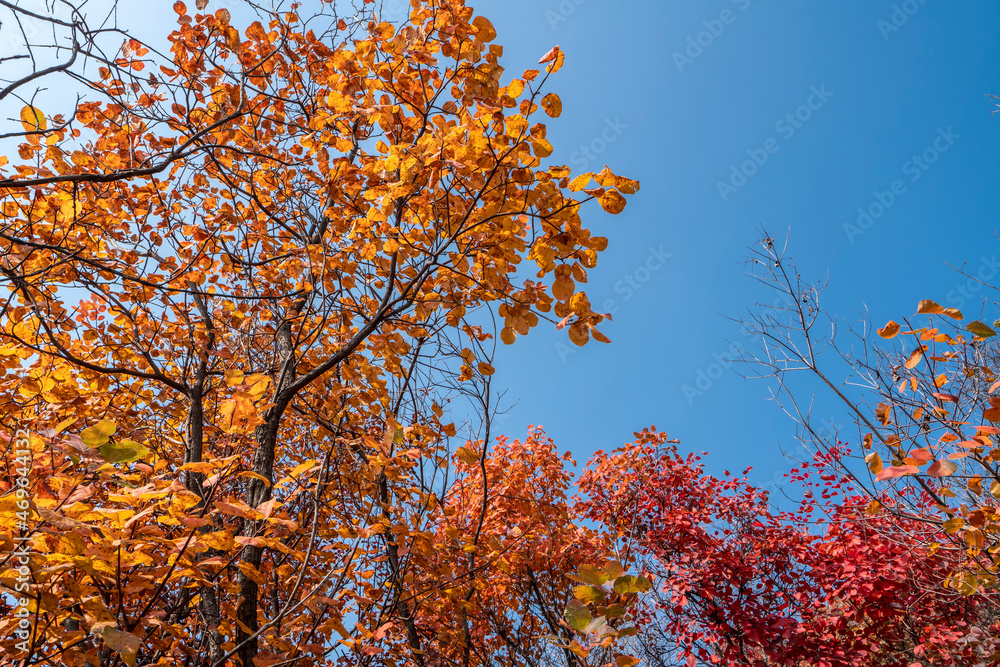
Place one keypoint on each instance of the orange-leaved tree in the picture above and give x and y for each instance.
(243, 288)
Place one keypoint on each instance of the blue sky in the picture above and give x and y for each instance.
(887, 96)
(678, 95)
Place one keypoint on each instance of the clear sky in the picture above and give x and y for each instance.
(677, 94)
(836, 104)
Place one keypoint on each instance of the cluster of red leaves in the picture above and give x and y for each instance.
(830, 584)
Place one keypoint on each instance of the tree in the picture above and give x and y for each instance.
(924, 412)
(243, 292)
(832, 583)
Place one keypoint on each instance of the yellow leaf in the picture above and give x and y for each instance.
(626, 185)
(202, 467)
(579, 649)
(302, 468)
(32, 119)
(555, 58)
(486, 369)
(580, 182)
(953, 525)
(612, 202)
(542, 148)
(485, 31)
(100, 433)
(552, 105)
(221, 540)
(63, 425)
(874, 462)
(249, 473)
(253, 573)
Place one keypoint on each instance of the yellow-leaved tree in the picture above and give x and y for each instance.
(245, 278)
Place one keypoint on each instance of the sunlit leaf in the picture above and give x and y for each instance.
(980, 329)
(578, 615)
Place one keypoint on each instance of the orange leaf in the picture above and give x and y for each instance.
(552, 105)
(485, 31)
(889, 330)
(550, 55)
(579, 334)
(612, 202)
(916, 357)
(928, 307)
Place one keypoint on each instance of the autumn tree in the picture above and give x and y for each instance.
(829, 582)
(246, 280)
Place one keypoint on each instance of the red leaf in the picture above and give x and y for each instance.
(896, 471)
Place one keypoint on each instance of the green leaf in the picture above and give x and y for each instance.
(98, 434)
(591, 575)
(125, 451)
(588, 594)
(980, 329)
(615, 611)
(632, 584)
(577, 615)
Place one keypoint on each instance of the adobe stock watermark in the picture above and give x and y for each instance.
(900, 16)
(25, 26)
(20, 557)
(587, 153)
(825, 431)
(627, 287)
(395, 10)
(964, 292)
(706, 377)
(562, 12)
(786, 126)
(913, 169)
(714, 28)
(737, 352)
